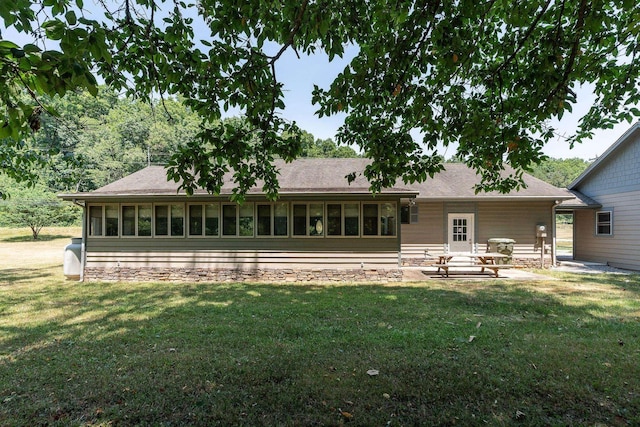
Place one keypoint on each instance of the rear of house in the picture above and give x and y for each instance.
(321, 228)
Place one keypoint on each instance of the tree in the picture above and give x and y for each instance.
(488, 76)
(559, 172)
(36, 208)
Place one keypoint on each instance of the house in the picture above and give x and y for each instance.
(606, 223)
(321, 227)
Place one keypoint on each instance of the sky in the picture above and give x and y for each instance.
(300, 74)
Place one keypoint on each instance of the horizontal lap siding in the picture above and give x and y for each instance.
(243, 253)
(514, 220)
(517, 221)
(622, 249)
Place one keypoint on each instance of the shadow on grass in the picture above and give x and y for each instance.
(29, 238)
(467, 353)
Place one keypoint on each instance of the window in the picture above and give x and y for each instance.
(308, 219)
(204, 219)
(604, 223)
(409, 214)
(280, 219)
(170, 220)
(144, 220)
(103, 220)
(334, 219)
(238, 220)
(264, 220)
(299, 220)
(343, 219)
(95, 220)
(128, 220)
(245, 223)
(388, 219)
(351, 219)
(229, 220)
(136, 220)
(272, 219)
(111, 220)
(379, 219)
(370, 219)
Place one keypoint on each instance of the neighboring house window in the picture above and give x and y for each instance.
(409, 214)
(237, 220)
(169, 220)
(604, 223)
(204, 219)
(308, 219)
(379, 219)
(272, 219)
(103, 220)
(136, 220)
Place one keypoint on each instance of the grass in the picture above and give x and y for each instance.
(562, 351)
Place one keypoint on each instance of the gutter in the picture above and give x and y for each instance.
(554, 261)
(83, 251)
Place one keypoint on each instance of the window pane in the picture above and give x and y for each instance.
(351, 219)
(334, 220)
(370, 219)
(603, 223)
(388, 219)
(264, 220)
(195, 220)
(316, 225)
(211, 220)
(95, 221)
(177, 220)
(405, 217)
(280, 218)
(246, 219)
(162, 220)
(229, 220)
(299, 220)
(128, 220)
(111, 220)
(144, 220)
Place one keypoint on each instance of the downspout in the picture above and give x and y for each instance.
(553, 234)
(83, 252)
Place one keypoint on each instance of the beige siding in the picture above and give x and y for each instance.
(622, 249)
(515, 220)
(249, 253)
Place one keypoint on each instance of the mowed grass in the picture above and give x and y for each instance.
(562, 351)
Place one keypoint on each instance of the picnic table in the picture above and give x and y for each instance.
(484, 260)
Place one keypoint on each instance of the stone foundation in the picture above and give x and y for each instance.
(518, 262)
(146, 274)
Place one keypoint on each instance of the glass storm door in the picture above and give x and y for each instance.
(460, 232)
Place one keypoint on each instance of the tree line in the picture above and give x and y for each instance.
(95, 140)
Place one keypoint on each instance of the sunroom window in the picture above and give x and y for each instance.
(169, 220)
(238, 220)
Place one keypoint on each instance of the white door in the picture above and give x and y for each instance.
(460, 232)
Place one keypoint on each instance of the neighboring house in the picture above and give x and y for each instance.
(321, 228)
(606, 225)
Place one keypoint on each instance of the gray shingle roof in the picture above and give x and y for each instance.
(328, 176)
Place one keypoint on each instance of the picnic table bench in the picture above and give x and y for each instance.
(486, 260)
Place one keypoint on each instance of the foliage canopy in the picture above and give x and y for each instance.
(488, 76)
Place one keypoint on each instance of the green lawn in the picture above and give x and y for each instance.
(563, 351)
